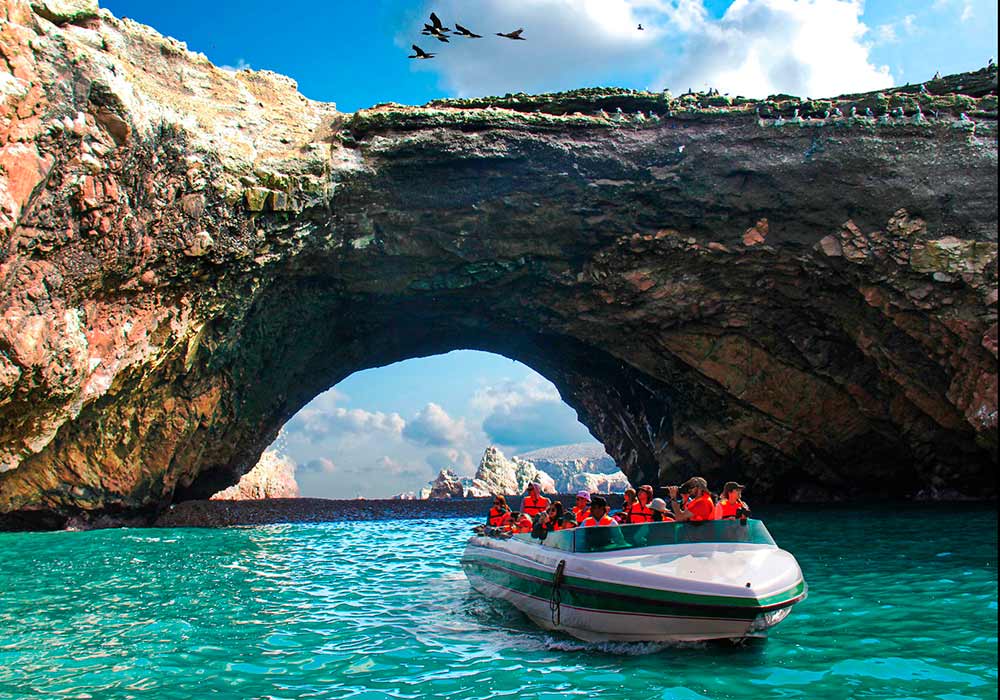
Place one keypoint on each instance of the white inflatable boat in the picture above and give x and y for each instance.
(720, 579)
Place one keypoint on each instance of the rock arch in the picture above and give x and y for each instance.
(189, 255)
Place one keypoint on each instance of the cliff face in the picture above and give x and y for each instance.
(775, 291)
(272, 477)
(509, 477)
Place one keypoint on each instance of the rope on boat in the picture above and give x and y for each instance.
(555, 601)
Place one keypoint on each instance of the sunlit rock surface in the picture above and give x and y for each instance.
(788, 292)
(508, 477)
(272, 477)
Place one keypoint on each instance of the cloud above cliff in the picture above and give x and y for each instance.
(323, 419)
(757, 47)
(526, 414)
(433, 426)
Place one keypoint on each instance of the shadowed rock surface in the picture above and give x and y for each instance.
(763, 291)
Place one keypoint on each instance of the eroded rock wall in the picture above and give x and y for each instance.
(783, 291)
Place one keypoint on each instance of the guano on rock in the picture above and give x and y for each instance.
(763, 290)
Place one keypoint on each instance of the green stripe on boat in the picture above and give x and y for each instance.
(589, 587)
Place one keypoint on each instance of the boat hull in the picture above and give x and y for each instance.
(592, 601)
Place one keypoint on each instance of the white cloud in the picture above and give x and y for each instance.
(890, 33)
(457, 460)
(433, 426)
(322, 418)
(321, 465)
(240, 65)
(759, 47)
(509, 394)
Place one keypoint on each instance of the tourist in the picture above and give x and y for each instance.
(732, 506)
(660, 511)
(599, 513)
(622, 516)
(534, 503)
(569, 521)
(499, 514)
(639, 511)
(518, 522)
(547, 521)
(697, 506)
(582, 508)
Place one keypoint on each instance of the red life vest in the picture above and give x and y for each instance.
(498, 517)
(603, 522)
(727, 508)
(581, 513)
(533, 506)
(701, 508)
(639, 513)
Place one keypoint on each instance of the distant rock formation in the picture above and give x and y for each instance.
(564, 463)
(510, 477)
(779, 290)
(597, 483)
(447, 485)
(272, 477)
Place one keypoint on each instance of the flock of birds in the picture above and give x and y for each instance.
(440, 32)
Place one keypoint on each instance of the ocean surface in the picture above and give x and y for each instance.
(902, 604)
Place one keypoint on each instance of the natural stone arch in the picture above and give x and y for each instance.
(721, 289)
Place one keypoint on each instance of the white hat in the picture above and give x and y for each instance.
(658, 504)
(585, 495)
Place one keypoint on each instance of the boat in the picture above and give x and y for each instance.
(654, 582)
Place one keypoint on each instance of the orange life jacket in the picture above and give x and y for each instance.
(639, 513)
(498, 517)
(701, 508)
(581, 513)
(533, 506)
(727, 508)
(604, 521)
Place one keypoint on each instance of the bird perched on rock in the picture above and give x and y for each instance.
(837, 112)
(937, 75)
(515, 35)
(923, 89)
(420, 53)
(991, 64)
(964, 117)
(466, 33)
(918, 116)
(854, 111)
(898, 112)
(869, 112)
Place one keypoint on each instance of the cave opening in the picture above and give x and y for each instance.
(391, 430)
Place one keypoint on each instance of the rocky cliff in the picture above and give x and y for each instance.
(510, 477)
(786, 291)
(272, 477)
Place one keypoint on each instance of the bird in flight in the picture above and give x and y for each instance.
(420, 53)
(466, 33)
(641, 28)
(516, 35)
(437, 24)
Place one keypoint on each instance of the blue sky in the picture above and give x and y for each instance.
(387, 430)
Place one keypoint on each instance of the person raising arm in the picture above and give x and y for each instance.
(699, 505)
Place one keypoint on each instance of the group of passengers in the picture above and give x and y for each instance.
(692, 501)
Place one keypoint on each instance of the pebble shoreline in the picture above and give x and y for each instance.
(321, 510)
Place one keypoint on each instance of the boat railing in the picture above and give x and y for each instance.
(604, 539)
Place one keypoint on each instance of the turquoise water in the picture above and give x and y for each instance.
(902, 605)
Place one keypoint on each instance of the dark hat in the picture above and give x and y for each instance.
(732, 485)
(598, 501)
(695, 481)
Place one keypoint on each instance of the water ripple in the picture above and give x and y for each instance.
(380, 610)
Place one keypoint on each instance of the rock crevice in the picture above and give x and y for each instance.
(785, 291)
